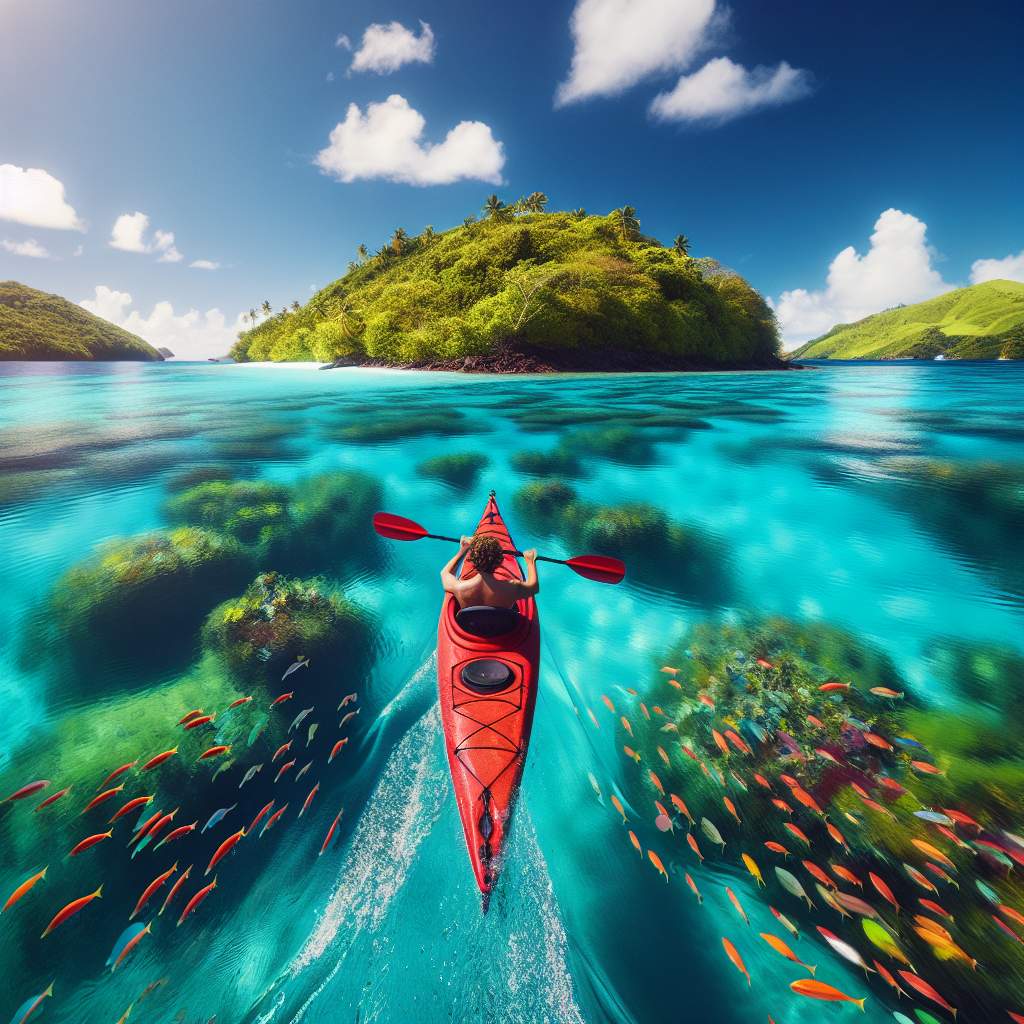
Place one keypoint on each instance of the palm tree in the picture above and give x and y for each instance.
(494, 207)
(579, 213)
(682, 245)
(428, 234)
(267, 307)
(362, 253)
(348, 317)
(318, 306)
(352, 265)
(385, 255)
(469, 221)
(252, 317)
(296, 306)
(398, 240)
(535, 202)
(626, 219)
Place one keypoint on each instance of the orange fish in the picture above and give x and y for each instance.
(656, 781)
(196, 722)
(704, 769)
(681, 807)
(817, 722)
(819, 990)
(780, 947)
(85, 844)
(672, 682)
(657, 710)
(23, 888)
(919, 878)
(224, 849)
(884, 691)
(792, 828)
(763, 663)
(117, 771)
(72, 908)
(670, 727)
(636, 842)
(196, 900)
(704, 699)
(664, 757)
(241, 700)
(730, 807)
(821, 752)
(330, 833)
(837, 836)
(736, 904)
(736, 741)
(309, 799)
(139, 801)
(284, 697)
(281, 750)
(819, 874)
(656, 861)
(159, 759)
(632, 753)
(628, 690)
(923, 766)
(877, 741)
(846, 874)
(762, 781)
(213, 752)
(720, 741)
(933, 926)
(688, 752)
(189, 717)
(646, 713)
(778, 848)
(850, 817)
(926, 990)
(668, 671)
(832, 687)
(936, 909)
(626, 725)
(789, 780)
(805, 798)
(889, 978)
(860, 791)
(1008, 911)
(661, 809)
(174, 888)
(730, 949)
(883, 889)
(618, 806)
(693, 845)
(51, 799)
(878, 807)
(102, 798)
(341, 743)
(152, 888)
(932, 852)
(690, 882)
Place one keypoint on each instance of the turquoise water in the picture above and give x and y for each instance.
(840, 496)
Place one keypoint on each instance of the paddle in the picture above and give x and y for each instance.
(599, 568)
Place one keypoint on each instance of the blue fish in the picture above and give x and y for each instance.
(904, 742)
(863, 726)
(29, 1005)
(939, 819)
(261, 724)
(216, 816)
(144, 843)
(987, 892)
(126, 936)
(690, 656)
(291, 668)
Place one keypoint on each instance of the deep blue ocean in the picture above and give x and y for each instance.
(875, 510)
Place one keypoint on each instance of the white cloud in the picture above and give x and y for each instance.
(127, 235)
(204, 264)
(78, 251)
(27, 248)
(897, 268)
(191, 336)
(1011, 268)
(620, 42)
(722, 90)
(330, 76)
(34, 198)
(386, 143)
(343, 41)
(385, 48)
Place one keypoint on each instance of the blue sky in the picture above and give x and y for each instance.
(842, 157)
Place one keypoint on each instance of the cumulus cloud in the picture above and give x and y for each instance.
(386, 143)
(343, 41)
(722, 90)
(204, 264)
(385, 48)
(620, 42)
(190, 336)
(30, 247)
(1010, 268)
(36, 199)
(897, 268)
(127, 235)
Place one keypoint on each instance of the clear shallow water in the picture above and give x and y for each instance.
(815, 487)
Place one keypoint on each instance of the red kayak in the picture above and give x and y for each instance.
(487, 667)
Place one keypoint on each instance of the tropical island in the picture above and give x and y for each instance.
(524, 290)
(983, 321)
(36, 325)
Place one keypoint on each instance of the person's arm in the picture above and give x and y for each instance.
(449, 580)
(532, 584)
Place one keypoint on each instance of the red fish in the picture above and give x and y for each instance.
(693, 845)
(778, 848)
(259, 817)
(930, 769)
(102, 798)
(189, 717)
(141, 831)
(761, 780)
(281, 750)
(893, 785)
(919, 878)
(330, 832)
(960, 818)
(832, 687)
(730, 807)
(704, 699)
(26, 791)
(805, 798)
(730, 949)
(174, 888)
(50, 799)
(202, 720)
(176, 834)
(196, 900)
(24, 888)
(1008, 911)
(846, 874)
(309, 799)
(819, 874)
(877, 741)
(736, 741)
(86, 844)
(213, 752)
(817, 722)
(241, 700)
(939, 873)
(283, 698)
(139, 801)
(283, 769)
(763, 663)
(936, 909)
(271, 821)
(152, 888)
(952, 837)
(688, 752)
(131, 944)
(72, 908)
(889, 978)
(782, 805)
(792, 828)
(159, 759)
(926, 990)
(1005, 930)
(352, 714)
(789, 781)
(883, 889)
(224, 849)
(117, 771)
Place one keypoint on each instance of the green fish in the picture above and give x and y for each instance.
(223, 768)
(987, 892)
(261, 724)
(712, 833)
(792, 885)
(883, 939)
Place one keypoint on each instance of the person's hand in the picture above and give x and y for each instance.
(465, 541)
(531, 555)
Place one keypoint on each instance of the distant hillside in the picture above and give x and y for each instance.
(38, 326)
(569, 289)
(984, 321)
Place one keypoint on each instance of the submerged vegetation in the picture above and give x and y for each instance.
(460, 469)
(528, 281)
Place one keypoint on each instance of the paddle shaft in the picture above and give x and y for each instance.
(458, 540)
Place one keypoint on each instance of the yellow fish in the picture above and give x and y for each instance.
(753, 868)
(632, 753)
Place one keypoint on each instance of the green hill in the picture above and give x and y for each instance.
(37, 326)
(984, 321)
(563, 287)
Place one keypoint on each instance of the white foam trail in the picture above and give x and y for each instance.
(399, 815)
(428, 667)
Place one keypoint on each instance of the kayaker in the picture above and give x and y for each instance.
(486, 554)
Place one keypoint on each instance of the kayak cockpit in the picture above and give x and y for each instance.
(485, 622)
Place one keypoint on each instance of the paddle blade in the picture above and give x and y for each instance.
(397, 527)
(599, 568)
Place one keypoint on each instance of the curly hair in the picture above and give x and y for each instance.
(485, 553)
